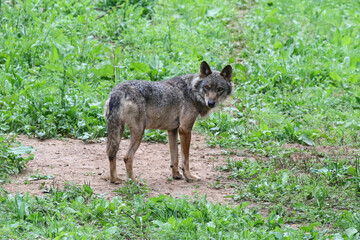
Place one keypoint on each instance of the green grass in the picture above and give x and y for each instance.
(307, 190)
(300, 80)
(77, 214)
(295, 112)
(59, 60)
(299, 87)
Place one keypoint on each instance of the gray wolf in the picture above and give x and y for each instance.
(171, 105)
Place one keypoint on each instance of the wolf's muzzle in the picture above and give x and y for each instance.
(211, 103)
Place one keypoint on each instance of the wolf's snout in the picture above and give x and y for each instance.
(211, 103)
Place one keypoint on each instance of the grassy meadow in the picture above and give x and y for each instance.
(294, 114)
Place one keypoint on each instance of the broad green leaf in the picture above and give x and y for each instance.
(54, 67)
(350, 232)
(244, 204)
(54, 56)
(40, 177)
(211, 226)
(172, 221)
(346, 41)
(335, 76)
(213, 12)
(7, 63)
(112, 230)
(140, 67)
(21, 150)
(87, 189)
(106, 70)
(263, 126)
(278, 45)
(306, 139)
(70, 72)
(188, 222)
(279, 235)
(352, 171)
(354, 61)
(310, 227)
(285, 178)
(241, 67)
(272, 20)
(337, 236)
(337, 37)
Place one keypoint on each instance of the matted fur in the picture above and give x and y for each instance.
(171, 105)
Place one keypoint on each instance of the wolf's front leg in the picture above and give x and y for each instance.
(173, 136)
(113, 176)
(185, 139)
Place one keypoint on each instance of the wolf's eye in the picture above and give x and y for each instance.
(220, 89)
(207, 88)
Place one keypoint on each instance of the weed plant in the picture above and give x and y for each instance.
(298, 86)
(59, 60)
(300, 79)
(12, 158)
(75, 213)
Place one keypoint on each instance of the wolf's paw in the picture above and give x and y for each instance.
(136, 181)
(115, 180)
(192, 178)
(177, 175)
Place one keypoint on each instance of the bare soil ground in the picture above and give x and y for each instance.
(80, 162)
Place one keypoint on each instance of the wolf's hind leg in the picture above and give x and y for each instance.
(115, 130)
(173, 136)
(136, 131)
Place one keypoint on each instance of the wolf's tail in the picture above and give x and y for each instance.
(106, 110)
(115, 124)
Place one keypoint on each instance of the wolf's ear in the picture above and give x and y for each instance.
(227, 73)
(205, 69)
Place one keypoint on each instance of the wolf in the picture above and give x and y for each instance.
(172, 105)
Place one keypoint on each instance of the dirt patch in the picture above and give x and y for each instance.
(78, 162)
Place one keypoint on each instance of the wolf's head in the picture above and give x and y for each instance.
(213, 86)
